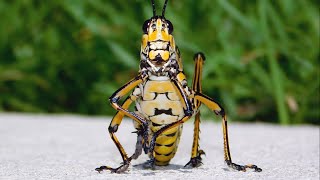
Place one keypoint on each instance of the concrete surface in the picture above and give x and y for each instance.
(71, 147)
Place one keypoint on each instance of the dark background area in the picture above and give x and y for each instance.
(63, 56)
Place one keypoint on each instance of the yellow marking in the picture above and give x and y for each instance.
(164, 140)
(163, 119)
(172, 42)
(159, 87)
(158, 33)
(165, 36)
(163, 158)
(173, 97)
(170, 131)
(181, 77)
(164, 149)
(165, 55)
(152, 35)
(152, 54)
(144, 41)
(159, 24)
(149, 96)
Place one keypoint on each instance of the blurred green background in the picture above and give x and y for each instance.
(71, 55)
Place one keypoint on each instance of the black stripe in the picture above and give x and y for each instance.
(155, 124)
(171, 135)
(168, 153)
(163, 111)
(169, 145)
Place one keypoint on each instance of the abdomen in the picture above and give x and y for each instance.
(161, 105)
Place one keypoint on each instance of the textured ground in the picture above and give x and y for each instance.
(71, 147)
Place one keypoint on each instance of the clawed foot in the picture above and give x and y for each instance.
(120, 169)
(149, 164)
(243, 168)
(195, 161)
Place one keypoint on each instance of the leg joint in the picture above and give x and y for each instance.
(114, 99)
(113, 129)
(199, 54)
(222, 112)
(188, 112)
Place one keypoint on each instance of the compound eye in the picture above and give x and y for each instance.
(170, 26)
(145, 26)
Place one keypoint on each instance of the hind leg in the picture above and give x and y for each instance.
(195, 160)
(219, 111)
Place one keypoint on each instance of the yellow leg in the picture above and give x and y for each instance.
(219, 110)
(196, 153)
(117, 119)
(114, 99)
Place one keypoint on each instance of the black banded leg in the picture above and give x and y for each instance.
(113, 127)
(195, 160)
(126, 160)
(117, 119)
(227, 150)
(227, 156)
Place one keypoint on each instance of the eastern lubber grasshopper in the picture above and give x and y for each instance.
(163, 101)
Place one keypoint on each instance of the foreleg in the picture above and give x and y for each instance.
(116, 121)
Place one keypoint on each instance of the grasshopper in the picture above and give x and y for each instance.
(163, 101)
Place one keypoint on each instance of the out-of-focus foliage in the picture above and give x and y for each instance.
(262, 57)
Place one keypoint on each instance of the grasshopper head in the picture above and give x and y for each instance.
(157, 40)
(158, 49)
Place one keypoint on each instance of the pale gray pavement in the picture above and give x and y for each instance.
(71, 147)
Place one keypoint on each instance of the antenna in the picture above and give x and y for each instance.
(164, 7)
(154, 8)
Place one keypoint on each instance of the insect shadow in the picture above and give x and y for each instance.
(169, 167)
